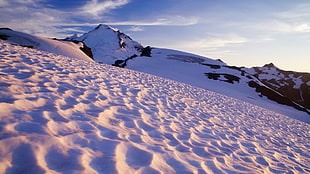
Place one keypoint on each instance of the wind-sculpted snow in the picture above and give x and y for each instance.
(61, 115)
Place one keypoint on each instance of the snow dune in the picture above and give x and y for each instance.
(64, 48)
(62, 115)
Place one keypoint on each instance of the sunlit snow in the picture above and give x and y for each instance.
(63, 115)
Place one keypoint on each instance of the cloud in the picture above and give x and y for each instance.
(215, 42)
(3, 3)
(293, 20)
(135, 28)
(302, 28)
(216, 45)
(161, 21)
(35, 17)
(31, 18)
(296, 12)
(96, 8)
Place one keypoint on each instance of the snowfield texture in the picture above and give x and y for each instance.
(62, 115)
(212, 75)
(108, 45)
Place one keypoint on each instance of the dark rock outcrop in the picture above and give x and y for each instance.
(212, 66)
(226, 77)
(293, 85)
(87, 50)
(123, 63)
(275, 96)
(146, 51)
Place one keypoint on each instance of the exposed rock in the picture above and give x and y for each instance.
(123, 63)
(275, 96)
(4, 37)
(292, 85)
(87, 50)
(146, 51)
(6, 29)
(212, 66)
(227, 77)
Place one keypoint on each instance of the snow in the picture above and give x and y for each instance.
(63, 115)
(298, 82)
(106, 43)
(168, 63)
(69, 49)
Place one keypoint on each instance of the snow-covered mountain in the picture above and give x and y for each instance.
(254, 85)
(249, 84)
(294, 85)
(66, 115)
(109, 44)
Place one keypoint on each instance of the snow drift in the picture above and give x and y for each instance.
(63, 115)
(65, 48)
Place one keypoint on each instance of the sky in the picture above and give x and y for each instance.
(239, 32)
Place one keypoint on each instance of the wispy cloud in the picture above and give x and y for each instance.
(303, 28)
(135, 28)
(280, 27)
(299, 11)
(214, 42)
(164, 21)
(293, 20)
(216, 46)
(32, 17)
(96, 7)
(36, 17)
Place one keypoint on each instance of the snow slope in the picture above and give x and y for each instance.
(62, 115)
(65, 48)
(209, 74)
(108, 45)
(112, 47)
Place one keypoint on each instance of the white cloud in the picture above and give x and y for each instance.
(296, 12)
(215, 46)
(302, 28)
(164, 21)
(4, 3)
(95, 7)
(214, 42)
(278, 26)
(136, 28)
(295, 19)
(34, 17)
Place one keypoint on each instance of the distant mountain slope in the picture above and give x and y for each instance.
(109, 44)
(293, 85)
(216, 76)
(243, 83)
(274, 89)
(65, 48)
(64, 115)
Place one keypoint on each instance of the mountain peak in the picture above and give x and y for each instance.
(270, 65)
(105, 27)
(108, 44)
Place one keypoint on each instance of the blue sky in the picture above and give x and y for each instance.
(240, 32)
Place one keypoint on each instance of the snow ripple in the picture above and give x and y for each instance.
(60, 115)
